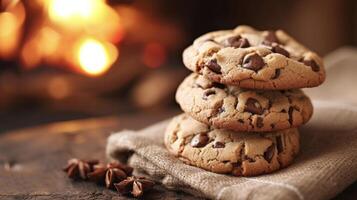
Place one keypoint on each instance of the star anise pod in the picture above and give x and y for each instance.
(110, 173)
(134, 185)
(79, 169)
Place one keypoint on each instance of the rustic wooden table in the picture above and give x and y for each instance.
(31, 160)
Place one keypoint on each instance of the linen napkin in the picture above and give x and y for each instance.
(326, 164)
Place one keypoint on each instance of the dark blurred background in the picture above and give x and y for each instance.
(69, 59)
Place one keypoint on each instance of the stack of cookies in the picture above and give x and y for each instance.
(242, 102)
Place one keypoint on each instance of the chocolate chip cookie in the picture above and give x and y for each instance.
(248, 58)
(237, 153)
(230, 107)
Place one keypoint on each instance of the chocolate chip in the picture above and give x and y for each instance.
(214, 66)
(260, 122)
(208, 93)
(279, 144)
(199, 140)
(218, 144)
(231, 41)
(253, 106)
(237, 169)
(236, 42)
(241, 121)
(280, 50)
(314, 66)
(290, 112)
(271, 38)
(277, 74)
(272, 126)
(218, 85)
(253, 62)
(269, 153)
(244, 43)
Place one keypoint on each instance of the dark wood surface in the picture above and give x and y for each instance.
(31, 160)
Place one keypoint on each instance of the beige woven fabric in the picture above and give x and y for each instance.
(325, 166)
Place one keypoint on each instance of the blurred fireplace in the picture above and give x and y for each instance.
(79, 55)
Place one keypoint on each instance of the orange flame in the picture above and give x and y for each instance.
(69, 9)
(94, 17)
(41, 47)
(95, 57)
(11, 22)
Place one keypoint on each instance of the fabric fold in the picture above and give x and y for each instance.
(325, 166)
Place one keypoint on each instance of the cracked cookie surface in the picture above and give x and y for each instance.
(254, 59)
(237, 109)
(227, 152)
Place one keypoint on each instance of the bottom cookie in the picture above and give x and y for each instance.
(227, 152)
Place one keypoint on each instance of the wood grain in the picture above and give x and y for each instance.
(31, 160)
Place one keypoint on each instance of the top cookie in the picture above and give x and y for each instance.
(254, 59)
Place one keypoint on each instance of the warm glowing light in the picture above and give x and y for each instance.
(8, 25)
(49, 40)
(42, 46)
(67, 9)
(95, 58)
(93, 17)
(11, 21)
(30, 56)
(76, 33)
